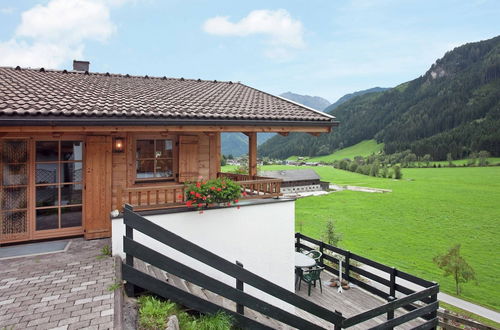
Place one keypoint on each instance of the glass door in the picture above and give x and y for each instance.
(58, 185)
(13, 190)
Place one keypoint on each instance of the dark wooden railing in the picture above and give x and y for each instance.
(421, 303)
(134, 277)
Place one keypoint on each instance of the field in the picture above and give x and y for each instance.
(427, 212)
(364, 148)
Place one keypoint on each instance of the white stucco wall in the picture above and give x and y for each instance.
(259, 236)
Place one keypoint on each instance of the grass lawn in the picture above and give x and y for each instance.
(364, 148)
(427, 212)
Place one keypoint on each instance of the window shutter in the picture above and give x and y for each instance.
(188, 158)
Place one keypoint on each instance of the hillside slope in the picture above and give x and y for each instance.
(453, 108)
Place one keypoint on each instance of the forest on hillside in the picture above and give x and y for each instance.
(454, 108)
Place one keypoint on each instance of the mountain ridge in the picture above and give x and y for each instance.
(453, 108)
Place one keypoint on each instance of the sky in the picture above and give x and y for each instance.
(321, 48)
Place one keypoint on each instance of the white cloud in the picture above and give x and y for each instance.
(50, 35)
(282, 30)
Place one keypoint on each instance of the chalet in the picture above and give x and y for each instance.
(296, 181)
(76, 145)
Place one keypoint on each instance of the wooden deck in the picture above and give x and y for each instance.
(350, 303)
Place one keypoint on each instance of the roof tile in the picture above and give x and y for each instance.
(29, 92)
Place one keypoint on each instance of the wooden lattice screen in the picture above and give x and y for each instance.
(13, 190)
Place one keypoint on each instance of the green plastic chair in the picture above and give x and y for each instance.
(310, 276)
(316, 255)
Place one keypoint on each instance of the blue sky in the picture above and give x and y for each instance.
(324, 48)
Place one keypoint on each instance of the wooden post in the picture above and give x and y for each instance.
(129, 259)
(347, 265)
(434, 298)
(252, 154)
(390, 314)
(392, 288)
(240, 309)
(338, 326)
(321, 249)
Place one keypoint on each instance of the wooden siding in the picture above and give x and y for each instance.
(121, 171)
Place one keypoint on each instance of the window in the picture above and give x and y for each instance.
(154, 160)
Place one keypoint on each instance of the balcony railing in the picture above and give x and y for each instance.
(171, 196)
(255, 186)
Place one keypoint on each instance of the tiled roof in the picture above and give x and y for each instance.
(28, 93)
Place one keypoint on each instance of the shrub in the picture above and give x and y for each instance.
(154, 313)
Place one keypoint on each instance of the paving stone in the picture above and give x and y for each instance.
(38, 321)
(41, 292)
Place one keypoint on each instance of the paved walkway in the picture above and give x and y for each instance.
(65, 290)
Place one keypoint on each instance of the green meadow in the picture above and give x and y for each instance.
(364, 149)
(427, 212)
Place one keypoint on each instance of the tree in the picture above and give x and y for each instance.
(483, 157)
(427, 159)
(330, 236)
(452, 263)
(449, 159)
(397, 172)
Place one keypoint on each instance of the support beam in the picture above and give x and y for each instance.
(252, 153)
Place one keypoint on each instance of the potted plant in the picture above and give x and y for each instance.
(202, 194)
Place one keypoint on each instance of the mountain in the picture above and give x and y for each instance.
(453, 108)
(314, 102)
(236, 144)
(347, 97)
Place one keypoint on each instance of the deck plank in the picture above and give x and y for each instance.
(350, 302)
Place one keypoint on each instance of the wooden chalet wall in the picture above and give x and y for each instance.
(123, 167)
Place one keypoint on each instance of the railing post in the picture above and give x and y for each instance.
(390, 314)
(297, 242)
(347, 265)
(129, 259)
(239, 286)
(338, 326)
(434, 298)
(392, 288)
(321, 248)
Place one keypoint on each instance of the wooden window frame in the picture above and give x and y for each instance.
(60, 231)
(133, 160)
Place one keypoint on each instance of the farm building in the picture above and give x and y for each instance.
(295, 181)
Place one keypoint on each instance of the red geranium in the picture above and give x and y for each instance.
(189, 203)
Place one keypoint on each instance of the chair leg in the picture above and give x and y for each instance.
(309, 289)
(300, 281)
(320, 287)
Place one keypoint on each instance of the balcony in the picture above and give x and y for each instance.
(172, 196)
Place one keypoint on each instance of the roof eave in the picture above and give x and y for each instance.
(79, 121)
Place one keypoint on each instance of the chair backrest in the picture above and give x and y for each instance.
(315, 254)
(315, 272)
